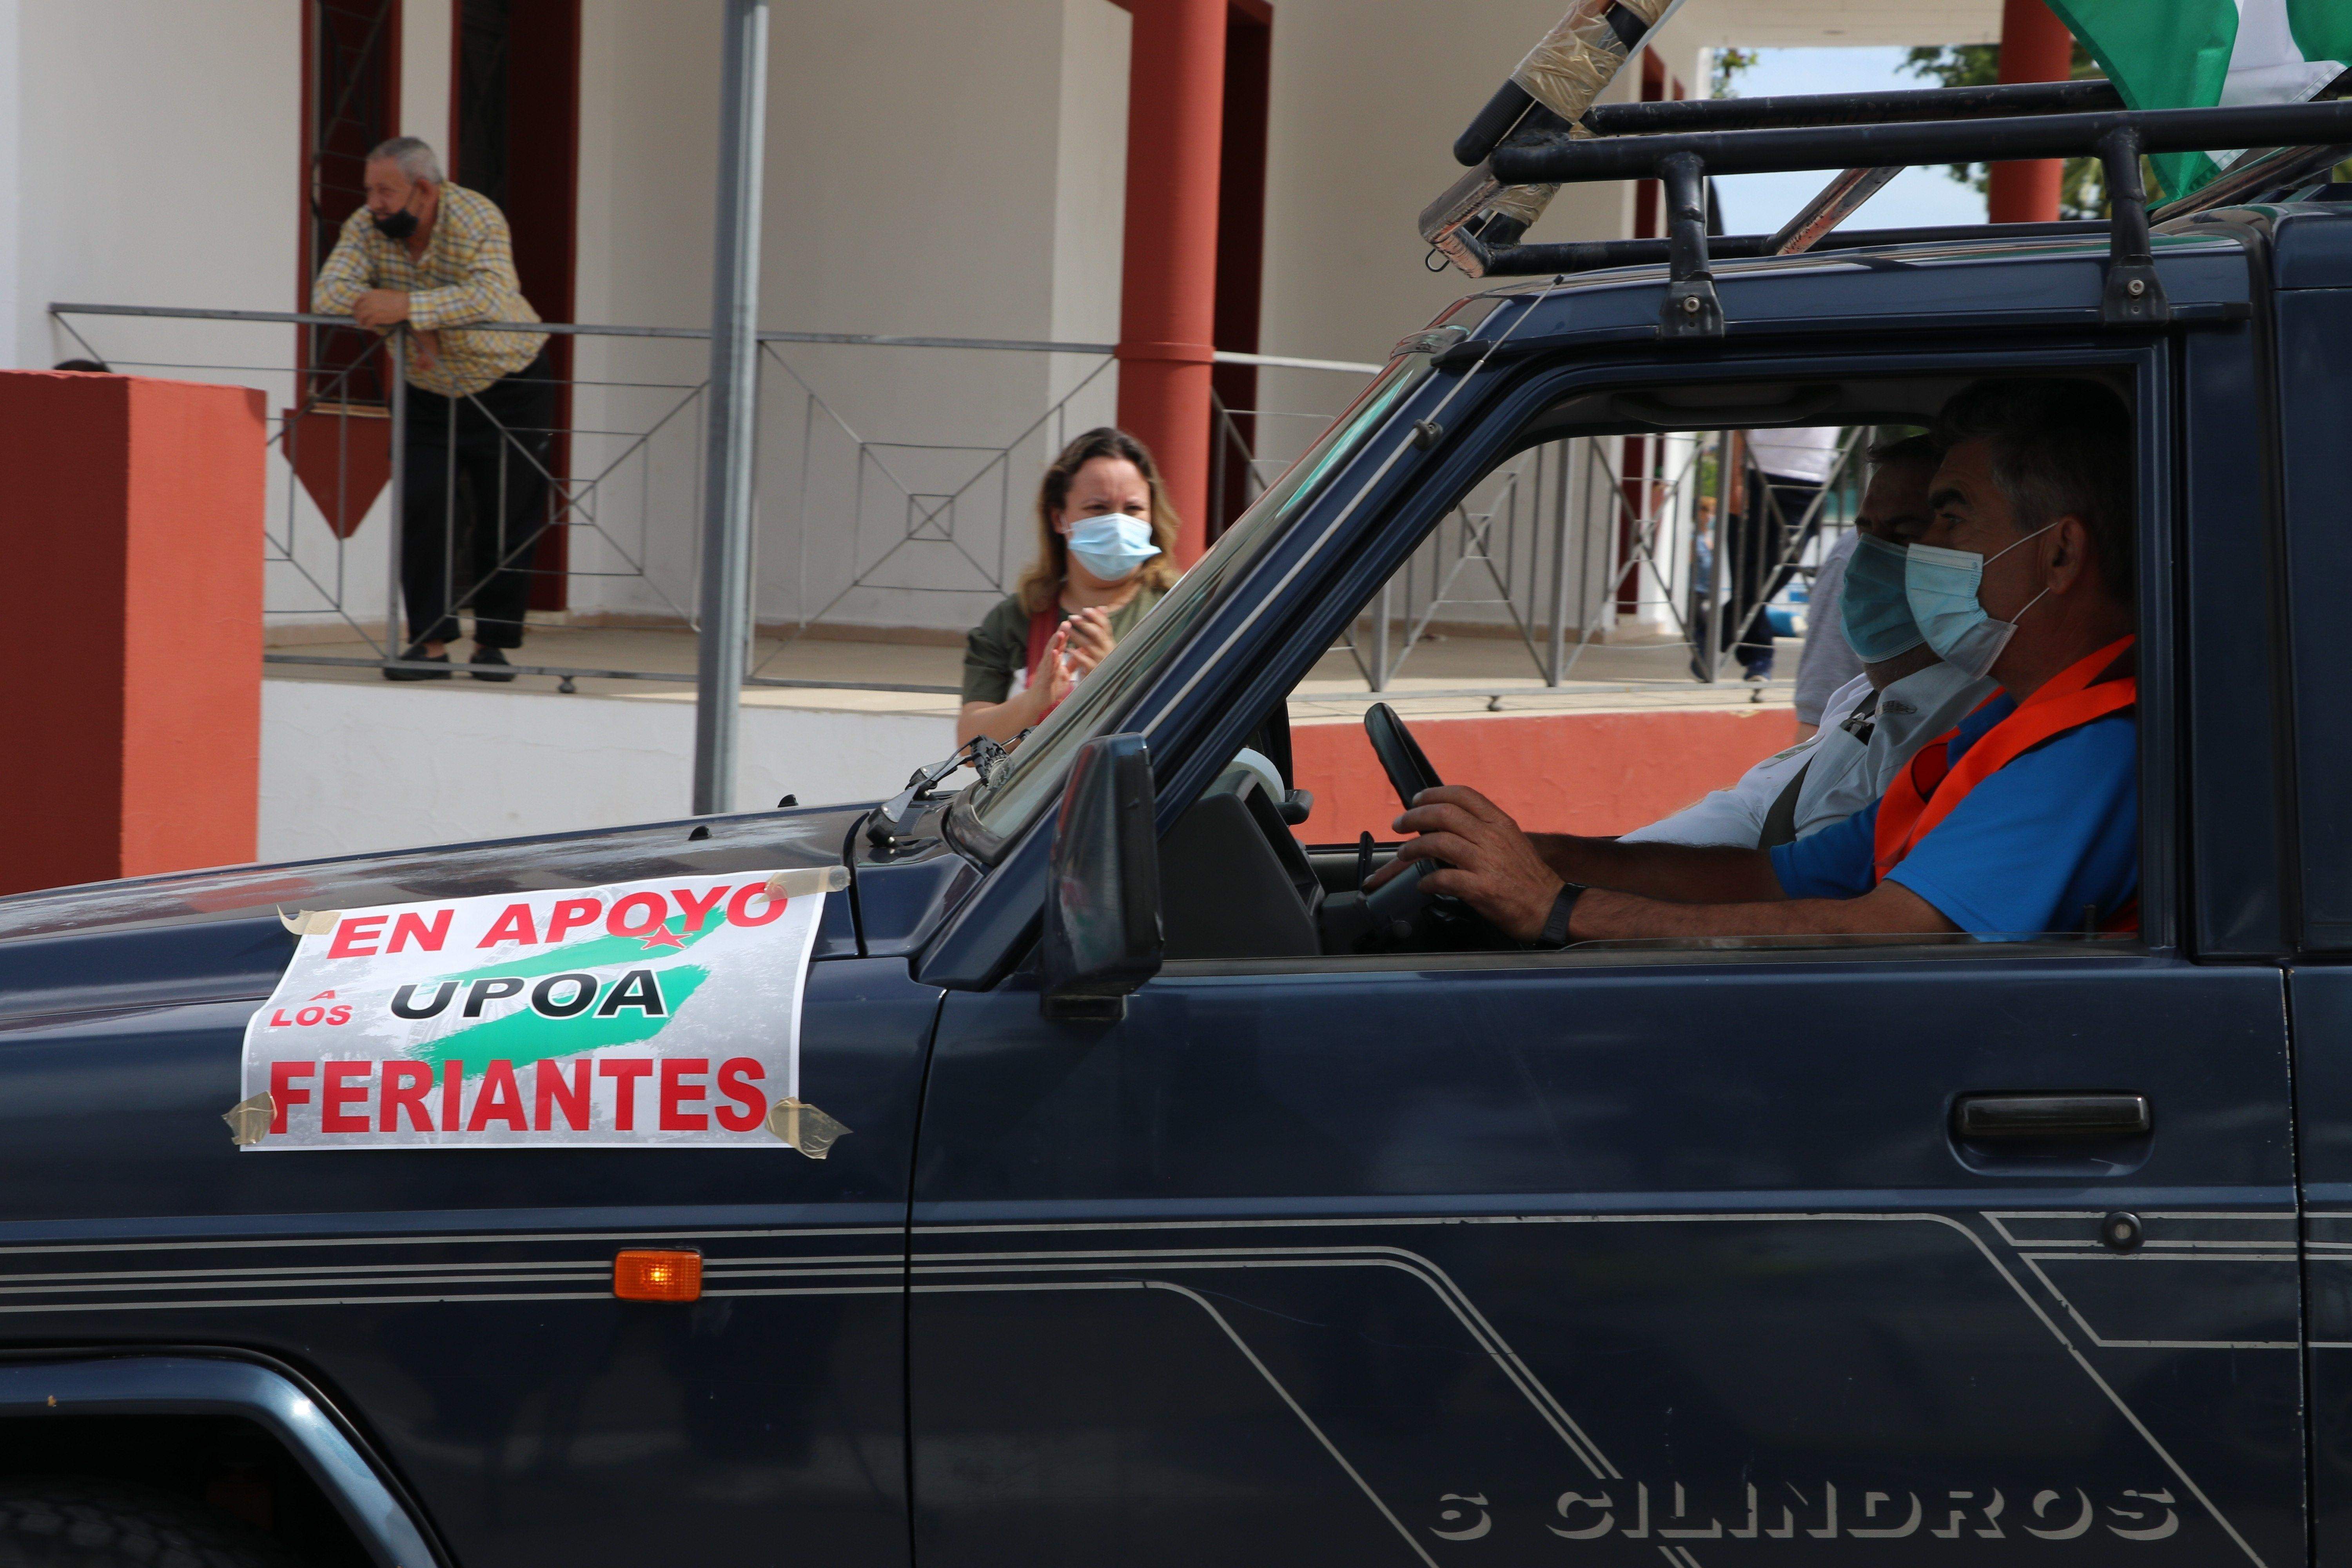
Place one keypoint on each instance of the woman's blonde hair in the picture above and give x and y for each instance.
(1041, 584)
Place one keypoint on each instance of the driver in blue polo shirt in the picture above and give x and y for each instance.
(2060, 833)
(2025, 821)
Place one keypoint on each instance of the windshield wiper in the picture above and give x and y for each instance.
(896, 818)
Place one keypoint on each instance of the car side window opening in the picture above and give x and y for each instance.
(1602, 653)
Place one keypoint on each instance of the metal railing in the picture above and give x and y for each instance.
(859, 523)
(1575, 541)
(870, 506)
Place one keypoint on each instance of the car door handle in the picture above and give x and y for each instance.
(2050, 1118)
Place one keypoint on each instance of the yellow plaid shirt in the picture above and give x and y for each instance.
(467, 274)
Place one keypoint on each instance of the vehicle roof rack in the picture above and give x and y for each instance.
(1867, 138)
(1826, 108)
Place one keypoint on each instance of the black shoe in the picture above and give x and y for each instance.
(418, 656)
(485, 655)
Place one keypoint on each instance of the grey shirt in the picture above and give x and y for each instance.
(1847, 766)
(1828, 660)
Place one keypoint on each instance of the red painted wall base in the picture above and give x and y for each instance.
(1554, 772)
(130, 624)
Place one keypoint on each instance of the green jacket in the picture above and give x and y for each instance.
(998, 648)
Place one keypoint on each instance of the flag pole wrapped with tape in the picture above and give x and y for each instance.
(1550, 91)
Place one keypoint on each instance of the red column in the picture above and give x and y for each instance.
(131, 519)
(1175, 118)
(2034, 47)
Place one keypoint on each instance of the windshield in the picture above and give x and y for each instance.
(1033, 770)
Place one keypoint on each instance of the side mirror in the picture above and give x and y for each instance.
(1102, 903)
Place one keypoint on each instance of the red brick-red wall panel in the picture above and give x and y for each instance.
(1554, 772)
(191, 631)
(130, 515)
(64, 472)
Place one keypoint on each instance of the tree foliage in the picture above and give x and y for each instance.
(1725, 69)
(2081, 193)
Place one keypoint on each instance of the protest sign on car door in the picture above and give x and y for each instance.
(656, 1013)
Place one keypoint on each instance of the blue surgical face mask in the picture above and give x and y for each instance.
(1876, 611)
(1941, 585)
(1113, 545)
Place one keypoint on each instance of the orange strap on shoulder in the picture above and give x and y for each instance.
(2067, 701)
(1908, 793)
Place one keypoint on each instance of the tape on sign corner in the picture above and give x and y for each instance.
(809, 880)
(249, 1120)
(310, 922)
(805, 1128)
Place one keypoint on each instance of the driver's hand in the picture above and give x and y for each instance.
(1489, 863)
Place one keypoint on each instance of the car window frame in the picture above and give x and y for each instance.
(2157, 525)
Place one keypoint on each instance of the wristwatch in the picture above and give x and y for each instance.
(1554, 934)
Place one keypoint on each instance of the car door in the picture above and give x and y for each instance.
(1411, 1261)
(456, 1305)
(2312, 400)
(1498, 1257)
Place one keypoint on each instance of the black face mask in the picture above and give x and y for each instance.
(396, 225)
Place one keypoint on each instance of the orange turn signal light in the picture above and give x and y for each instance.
(657, 1276)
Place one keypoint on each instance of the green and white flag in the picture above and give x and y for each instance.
(2194, 54)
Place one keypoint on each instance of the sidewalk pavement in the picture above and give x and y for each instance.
(1450, 676)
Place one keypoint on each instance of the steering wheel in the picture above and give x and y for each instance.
(1401, 756)
(1399, 911)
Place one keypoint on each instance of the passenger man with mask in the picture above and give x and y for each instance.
(2025, 822)
(1871, 725)
(481, 406)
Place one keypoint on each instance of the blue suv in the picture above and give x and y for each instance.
(1199, 1209)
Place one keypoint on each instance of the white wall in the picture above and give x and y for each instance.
(933, 168)
(648, 179)
(352, 767)
(925, 207)
(427, 50)
(10, 217)
(101, 201)
(1090, 202)
(108, 208)
(1768, 24)
(1367, 98)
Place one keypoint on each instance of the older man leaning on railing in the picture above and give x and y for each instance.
(438, 258)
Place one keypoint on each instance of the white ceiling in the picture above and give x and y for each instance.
(1771, 24)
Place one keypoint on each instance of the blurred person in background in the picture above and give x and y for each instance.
(1764, 534)
(1105, 552)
